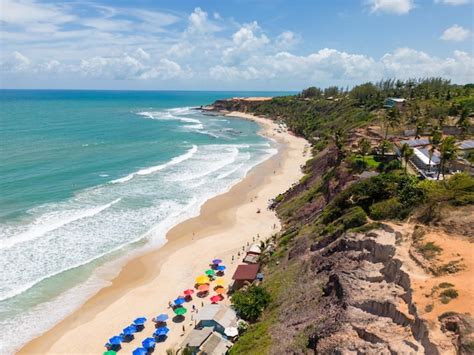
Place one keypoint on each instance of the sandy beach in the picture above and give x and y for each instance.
(146, 284)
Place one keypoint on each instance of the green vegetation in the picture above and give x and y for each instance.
(429, 250)
(447, 295)
(250, 303)
(445, 285)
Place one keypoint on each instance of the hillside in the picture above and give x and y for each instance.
(362, 262)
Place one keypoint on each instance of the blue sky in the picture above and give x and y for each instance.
(232, 44)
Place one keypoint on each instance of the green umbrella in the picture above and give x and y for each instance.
(110, 352)
(180, 311)
(210, 272)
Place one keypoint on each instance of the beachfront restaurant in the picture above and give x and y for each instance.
(244, 273)
(217, 317)
(253, 254)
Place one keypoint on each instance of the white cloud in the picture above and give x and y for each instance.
(245, 41)
(456, 33)
(286, 39)
(15, 62)
(398, 7)
(199, 22)
(453, 2)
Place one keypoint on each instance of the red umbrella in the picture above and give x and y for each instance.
(203, 288)
(215, 299)
(188, 292)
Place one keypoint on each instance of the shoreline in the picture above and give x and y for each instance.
(146, 284)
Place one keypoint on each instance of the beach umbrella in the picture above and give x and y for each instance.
(221, 268)
(180, 311)
(179, 301)
(129, 330)
(202, 279)
(115, 340)
(210, 272)
(161, 318)
(149, 343)
(215, 298)
(109, 352)
(231, 331)
(203, 288)
(139, 321)
(161, 331)
(140, 351)
(216, 261)
(220, 282)
(220, 290)
(188, 292)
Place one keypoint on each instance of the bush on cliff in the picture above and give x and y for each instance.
(250, 303)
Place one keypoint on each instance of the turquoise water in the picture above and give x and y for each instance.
(88, 176)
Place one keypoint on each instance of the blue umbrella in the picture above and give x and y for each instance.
(148, 343)
(140, 351)
(116, 340)
(161, 318)
(221, 268)
(139, 321)
(179, 301)
(161, 331)
(130, 330)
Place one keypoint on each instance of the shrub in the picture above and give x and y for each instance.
(450, 293)
(250, 303)
(385, 209)
(429, 250)
(445, 285)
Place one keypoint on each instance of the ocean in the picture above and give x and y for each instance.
(89, 178)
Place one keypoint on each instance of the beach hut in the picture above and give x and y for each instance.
(245, 273)
(216, 316)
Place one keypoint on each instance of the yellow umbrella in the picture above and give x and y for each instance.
(203, 279)
(220, 282)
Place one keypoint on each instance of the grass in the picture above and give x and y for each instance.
(429, 250)
(371, 162)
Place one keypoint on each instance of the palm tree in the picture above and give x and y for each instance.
(393, 120)
(364, 146)
(463, 122)
(448, 153)
(384, 146)
(406, 152)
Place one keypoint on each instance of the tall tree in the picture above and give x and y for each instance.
(464, 123)
(392, 120)
(406, 152)
(339, 142)
(364, 146)
(435, 140)
(448, 153)
(385, 146)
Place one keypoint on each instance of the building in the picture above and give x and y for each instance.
(253, 254)
(245, 273)
(466, 147)
(206, 341)
(216, 317)
(392, 102)
(422, 142)
(426, 166)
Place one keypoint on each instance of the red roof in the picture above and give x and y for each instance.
(246, 272)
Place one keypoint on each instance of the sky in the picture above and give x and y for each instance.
(231, 44)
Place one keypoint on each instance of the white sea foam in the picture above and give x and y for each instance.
(51, 222)
(154, 169)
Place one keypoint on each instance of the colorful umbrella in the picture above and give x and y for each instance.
(188, 292)
(110, 352)
(179, 301)
(221, 268)
(202, 279)
(116, 340)
(180, 311)
(220, 282)
(215, 298)
(149, 343)
(139, 321)
(130, 330)
(216, 261)
(161, 318)
(140, 351)
(161, 331)
(210, 272)
(220, 290)
(203, 288)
